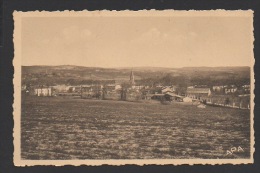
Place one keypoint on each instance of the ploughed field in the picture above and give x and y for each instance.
(65, 128)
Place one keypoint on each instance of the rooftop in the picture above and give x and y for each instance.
(198, 90)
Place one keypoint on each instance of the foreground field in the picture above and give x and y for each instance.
(62, 128)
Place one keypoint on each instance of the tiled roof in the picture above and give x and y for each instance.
(173, 95)
(198, 90)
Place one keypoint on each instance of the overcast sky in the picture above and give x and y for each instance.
(137, 41)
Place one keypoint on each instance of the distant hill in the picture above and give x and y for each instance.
(65, 73)
(238, 68)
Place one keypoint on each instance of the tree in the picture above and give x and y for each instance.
(227, 101)
(104, 91)
(167, 80)
(124, 88)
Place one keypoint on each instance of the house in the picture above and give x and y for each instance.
(174, 88)
(200, 86)
(159, 86)
(23, 87)
(229, 90)
(217, 88)
(167, 90)
(246, 88)
(61, 88)
(97, 88)
(118, 87)
(197, 93)
(91, 91)
(110, 88)
(154, 90)
(43, 91)
(138, 87)
(77, 89)
(148, 96)
(91, 88)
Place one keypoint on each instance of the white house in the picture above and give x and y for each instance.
(230, 90)
(117, 87)
(218, 88)
(43, 91)
(61, 88)
(197, 93)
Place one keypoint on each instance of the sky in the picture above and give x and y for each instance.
(157, 41)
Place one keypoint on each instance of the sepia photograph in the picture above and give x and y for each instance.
(133, 87)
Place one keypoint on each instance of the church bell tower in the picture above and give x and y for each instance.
(132, 78)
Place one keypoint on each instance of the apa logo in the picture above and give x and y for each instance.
(235, 150)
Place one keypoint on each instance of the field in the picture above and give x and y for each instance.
(66, 128)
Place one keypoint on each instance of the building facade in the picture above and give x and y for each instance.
(197, 93)
(43, 91)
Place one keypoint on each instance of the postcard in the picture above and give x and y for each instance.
(133, 87)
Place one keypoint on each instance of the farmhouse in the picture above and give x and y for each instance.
(110, 87)
(97, 88)
(138, 87)
(85, 89)
(77, 89)
(197, 93)
(23, 87)
(88, 91)
(230, 90)
(218, 88)
(61, 88)
(43, 91)
(118, 87)
(168, 90)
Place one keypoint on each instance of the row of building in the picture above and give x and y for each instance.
(133, 91)
(231, 88)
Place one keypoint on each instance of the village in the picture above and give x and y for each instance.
(222, 95)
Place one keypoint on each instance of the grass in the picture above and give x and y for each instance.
(60, 128)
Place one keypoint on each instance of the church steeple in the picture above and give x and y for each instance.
(132, 78)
